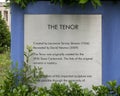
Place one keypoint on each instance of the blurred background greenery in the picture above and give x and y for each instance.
(4, 47)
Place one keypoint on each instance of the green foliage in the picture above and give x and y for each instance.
(82, 3)
(111, 89)
(4, 35)
(30, 74)
(21, 3)
(72, 89)
(21, 81)
(24, 3)
(11, 88)
(4, 60)
(4, 64)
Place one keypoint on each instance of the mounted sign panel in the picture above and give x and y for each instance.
(67, 47)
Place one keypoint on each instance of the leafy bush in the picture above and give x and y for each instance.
(4, 35)
(4, 60)
(4, 64)
(74, 89)
(82, 3)
(22, 83)
(24, 3)
(111, 89)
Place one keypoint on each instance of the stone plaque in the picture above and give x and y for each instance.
(67, 47)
